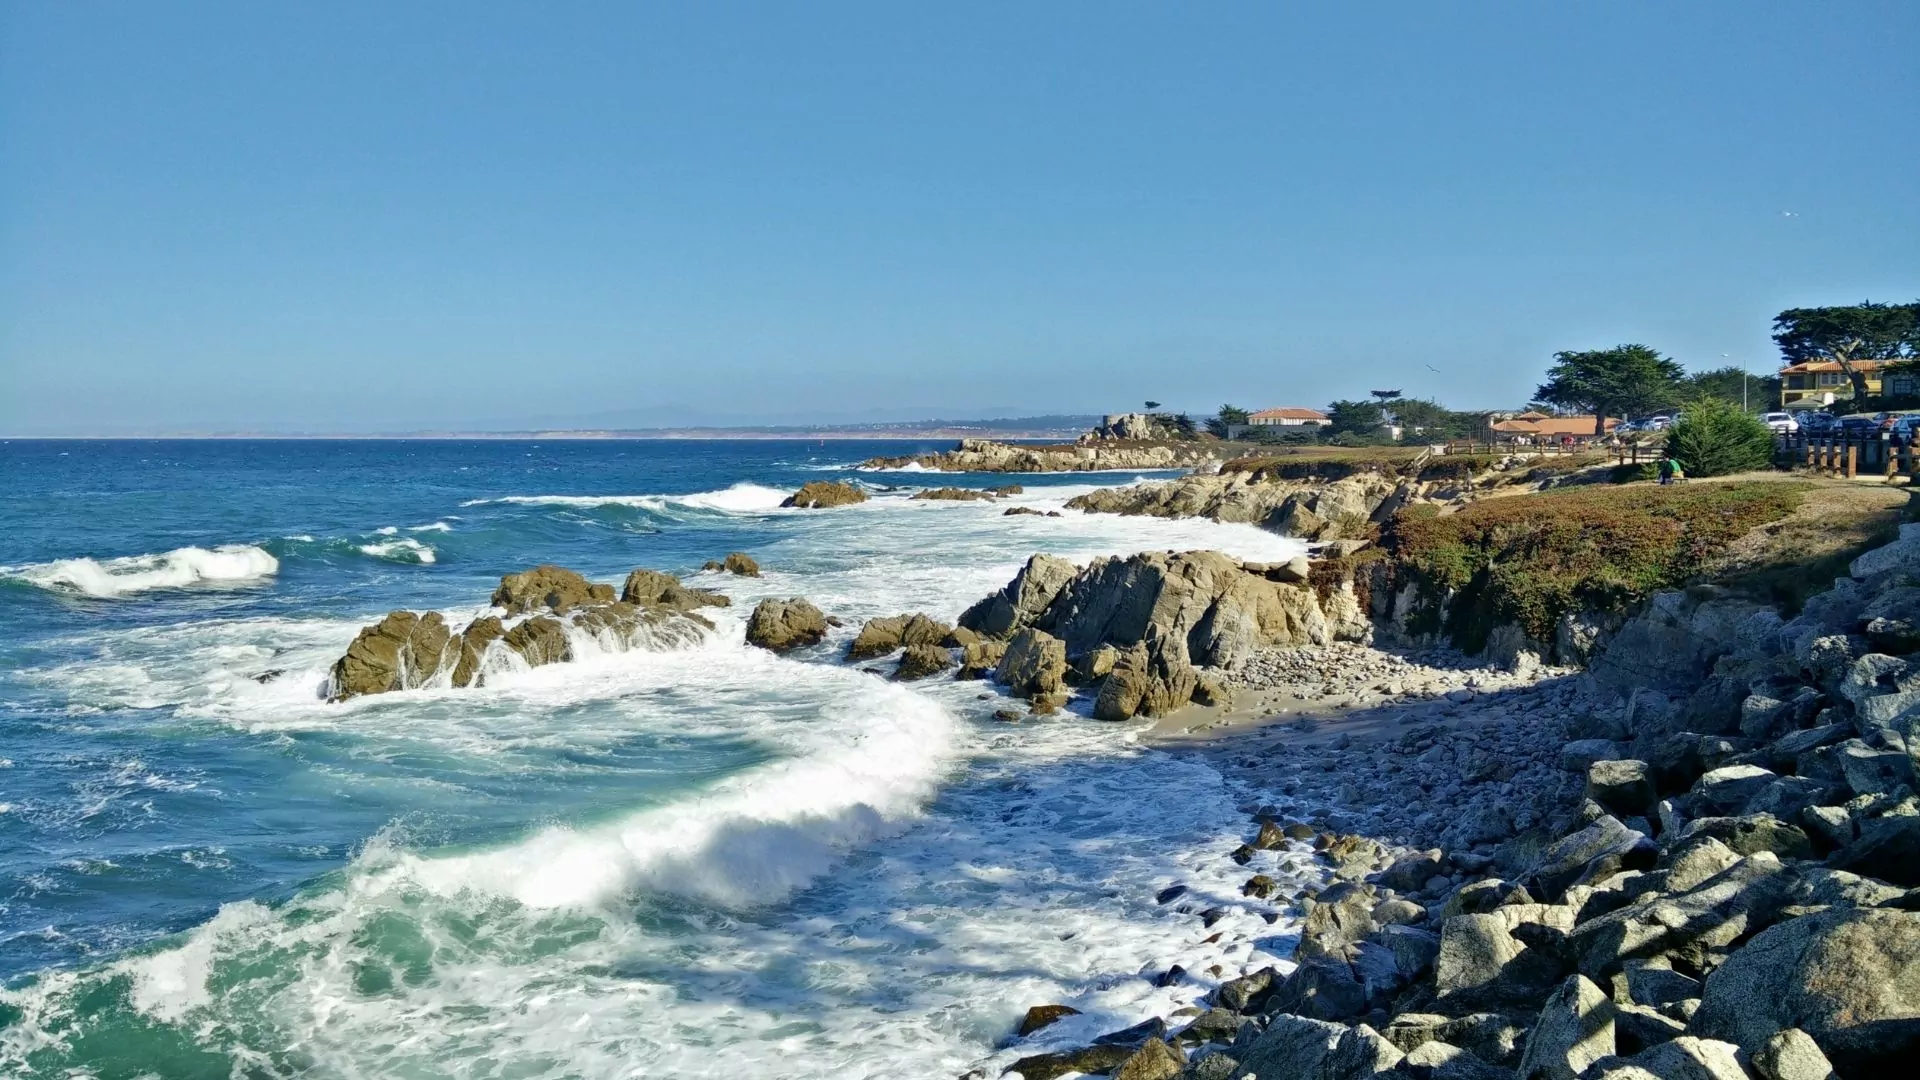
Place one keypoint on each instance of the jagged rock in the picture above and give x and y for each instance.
(1321, 988)
(540, 640)
(1873, 772)
(922, 661)
(651, 588)
(1752, 833)
(400, 651)
(1792, 1055)
(1040, 1016)
(1217, 608)
(978, 659)
(1652, 986)
(951, 494)
(1720, 911)
(1575, 1030)
(1292, 1046)
(1035, 664)
(1887, 848)
(881, 636)
(1092, 1059)
(473, 644)
(1024, 599)
(1579, 755)
(1482, 960)
(785, 625)
(1684, 1058)
(820, 494)
(547, 588)
(1155, 1060)
(1624, 788)
(1248, 992)
(1436, 1060)
(1148, 678)
(1729, 788)
(1567, 860)
(736, 562)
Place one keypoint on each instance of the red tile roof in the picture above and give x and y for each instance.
(1287, 414)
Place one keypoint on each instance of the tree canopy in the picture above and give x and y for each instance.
(1357, 418)
(1756, 393)
(1222, 423)
(1883, 332)
(1713, 437)
(1624, 381)
(1430, 418)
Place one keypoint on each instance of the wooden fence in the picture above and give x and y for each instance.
(1875, 454)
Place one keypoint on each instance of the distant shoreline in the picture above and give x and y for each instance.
(576, 436)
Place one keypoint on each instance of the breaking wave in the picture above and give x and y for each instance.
(741, 498)
(226, 566)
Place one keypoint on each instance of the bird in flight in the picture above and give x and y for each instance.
(1788, 213)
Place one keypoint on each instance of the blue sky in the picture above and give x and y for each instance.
(352, 217)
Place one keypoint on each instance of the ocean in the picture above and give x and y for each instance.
(704, 862)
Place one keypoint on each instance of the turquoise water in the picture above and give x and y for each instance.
(709, 861)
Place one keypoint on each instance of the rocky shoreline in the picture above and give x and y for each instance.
(1697, 862)
(987, 456)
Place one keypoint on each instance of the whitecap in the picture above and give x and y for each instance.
(227, 566)
(404, 550)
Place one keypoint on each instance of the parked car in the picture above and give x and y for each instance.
(1861, 425)
(1819, 423)
(1781, 422)
(1904, 427)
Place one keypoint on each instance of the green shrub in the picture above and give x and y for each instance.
(1635, 470)
(1714, 438)
(1529, 559)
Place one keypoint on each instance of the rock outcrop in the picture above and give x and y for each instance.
(1723, 886)
(1142, 624)
(882, 636)
(1309, 508)
(736, 562)
(785, 625)
(952, 494)
(985, 455)
(549, 612)
(820, 494)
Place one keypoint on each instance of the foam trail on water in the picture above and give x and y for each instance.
(225, 566)
(742, 498)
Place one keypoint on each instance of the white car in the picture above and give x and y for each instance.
(1781, 422)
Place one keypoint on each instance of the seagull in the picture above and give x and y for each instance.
(1433, 369)
(1788, 213)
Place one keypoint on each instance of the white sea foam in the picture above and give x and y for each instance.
(227, 566)
(437, 526)
(405, 549)
(742, 498)
(707, 931)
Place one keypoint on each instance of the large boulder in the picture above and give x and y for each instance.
(1575, 1030)
(1149, 678)
(820, 494)
(922, 661)
(736, 562)
(1848, 978)
(1222, 610)
(784, 625)
(881, 636)
(651, 588)
(401, 651)
(547, 588)
(1673, 643)
(1035, 664)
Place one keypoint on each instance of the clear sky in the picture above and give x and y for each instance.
(351, 217)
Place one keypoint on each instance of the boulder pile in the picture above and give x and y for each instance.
(543, 611)
(1725, 885)
(1138, 628)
